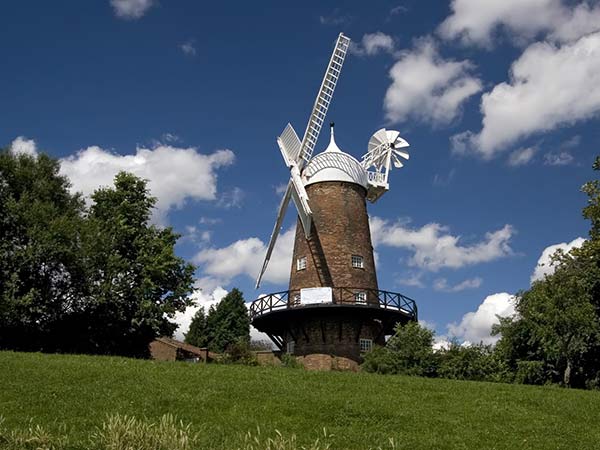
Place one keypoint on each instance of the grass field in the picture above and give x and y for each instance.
(222, 403)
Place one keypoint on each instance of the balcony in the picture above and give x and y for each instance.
(342, 296)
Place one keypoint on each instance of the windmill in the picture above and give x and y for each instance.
(333, 305)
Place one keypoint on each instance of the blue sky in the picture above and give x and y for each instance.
(501, 114)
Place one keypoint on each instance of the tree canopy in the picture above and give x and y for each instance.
(227, 324)
(96, 280)
(555, 335)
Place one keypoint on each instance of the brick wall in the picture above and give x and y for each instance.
(162, 352)
(340, 230)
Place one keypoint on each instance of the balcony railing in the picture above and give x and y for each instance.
(341, 296)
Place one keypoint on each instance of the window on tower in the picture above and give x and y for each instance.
(360, 298)
(301, 263)
(358, 262)
(366, 345)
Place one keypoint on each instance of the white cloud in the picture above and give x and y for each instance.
(23, 146)
(131, 9)
(189, 48)
(231, 199)
(476, 326)
(441, 284)
(372, 44)
(245, 257)
(475, 21)
(412, 279)
(544, 265)
(558, 159)
(427, 87)
(521, 156)
(434, 248)
(174, 174)
(335, 18)
(549, 86)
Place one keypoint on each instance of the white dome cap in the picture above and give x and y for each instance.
(335, 165)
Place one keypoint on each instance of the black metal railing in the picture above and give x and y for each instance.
(340, 296)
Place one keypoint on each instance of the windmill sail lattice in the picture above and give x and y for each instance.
(297, 154)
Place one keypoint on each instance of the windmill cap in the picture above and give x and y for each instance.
(334, 164)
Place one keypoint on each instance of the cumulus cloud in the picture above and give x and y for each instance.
(23, 146)
(427, 87)
(521, 156)
(245, 257)
(476, 326)
(549, 86)
(174, 174)
(372, 44)
(475, 22)
(544, 265)
(131, 9)
(441, 284)
(434, 248)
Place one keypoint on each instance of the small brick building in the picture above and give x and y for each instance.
(168, 349)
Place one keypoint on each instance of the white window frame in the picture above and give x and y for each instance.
(301, 263)
(358, 262)
(291, 347)
(366, 345)
(360, 298)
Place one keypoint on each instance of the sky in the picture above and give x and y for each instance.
(499, 101)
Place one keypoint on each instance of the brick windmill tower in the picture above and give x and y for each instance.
(333, 305)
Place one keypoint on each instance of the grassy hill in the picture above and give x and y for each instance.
(223, 403)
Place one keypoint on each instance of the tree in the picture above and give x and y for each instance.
(555, 336)
(71, 280)
(409, 351)
(137, 283)
(198, 332)
(228, 323)
(41, 272)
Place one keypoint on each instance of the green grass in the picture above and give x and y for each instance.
(76, 394)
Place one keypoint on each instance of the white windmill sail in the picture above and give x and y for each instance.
(297, 154)
(319, 111)
(383, 151)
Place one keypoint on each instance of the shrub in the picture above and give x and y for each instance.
(475, 362)
(409, 352)
(290, 361)
(239, 353)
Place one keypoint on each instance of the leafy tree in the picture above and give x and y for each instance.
(71, 280)
(198, 333)
(228, 322)
(41, 275)
(409, 351)
(555, 336)
(136, 281)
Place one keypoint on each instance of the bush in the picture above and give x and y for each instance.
(239, 353)
(475, 362)
(531, 372)
(409, 352)
(290, 361)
